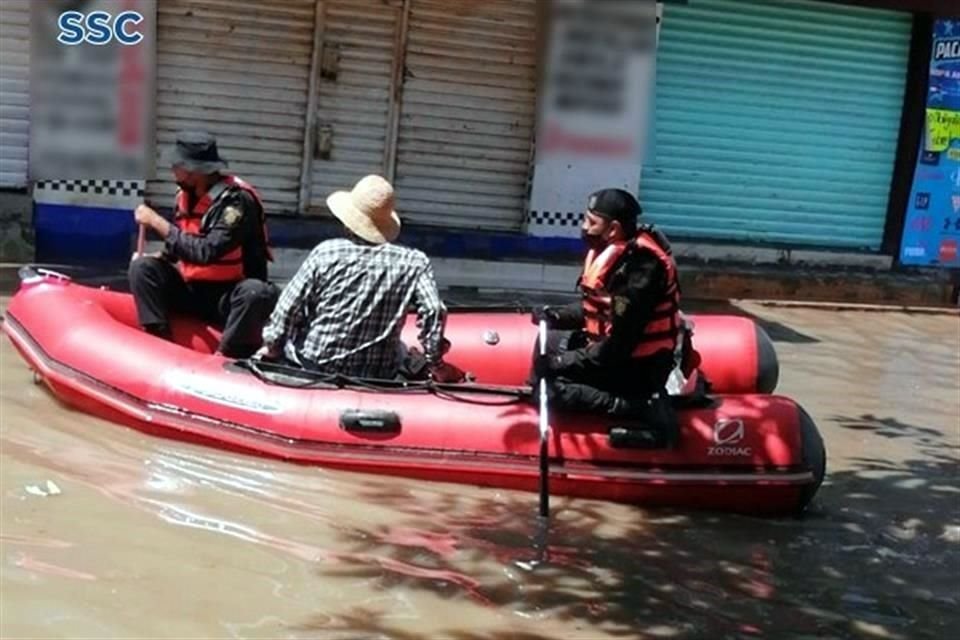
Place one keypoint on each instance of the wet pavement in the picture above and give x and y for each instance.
(151, 538)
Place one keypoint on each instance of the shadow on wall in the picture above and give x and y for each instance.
(16, 227)
(876, 557)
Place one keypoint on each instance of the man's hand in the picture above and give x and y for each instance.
(149, 218)
(446, 372)
(145, 215)
(155, 254)
(546, 366)
(544, 313)
(267, 353)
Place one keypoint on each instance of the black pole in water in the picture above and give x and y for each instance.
(544, 479)
(544, 433)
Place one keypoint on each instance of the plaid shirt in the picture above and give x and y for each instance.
(345, 308)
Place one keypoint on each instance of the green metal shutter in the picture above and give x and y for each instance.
(776, 121)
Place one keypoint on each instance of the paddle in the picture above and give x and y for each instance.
(544, 433)
(141, 242)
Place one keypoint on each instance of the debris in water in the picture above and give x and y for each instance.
(51, 489)
(951, 533)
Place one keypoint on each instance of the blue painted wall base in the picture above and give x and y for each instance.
(436, 242)
(101, 236)
(88, 235)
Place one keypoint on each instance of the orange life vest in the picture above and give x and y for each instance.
(228, 267)
(662, 330)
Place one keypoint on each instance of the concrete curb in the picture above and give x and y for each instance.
(820, 286)
(850, 306)
(699, 280)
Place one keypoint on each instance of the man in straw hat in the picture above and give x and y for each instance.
(218, 241)
(344, 310)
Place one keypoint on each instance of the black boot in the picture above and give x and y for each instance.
(161, 331)
(654, 422)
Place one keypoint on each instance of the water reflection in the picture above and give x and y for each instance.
(154, 538)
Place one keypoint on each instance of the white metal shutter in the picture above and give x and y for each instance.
(468, 112)
(355, 105)
(14, 91)
(240, 71)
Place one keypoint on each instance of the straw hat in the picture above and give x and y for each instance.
(367, 210)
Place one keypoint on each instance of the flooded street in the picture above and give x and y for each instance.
(151, 538)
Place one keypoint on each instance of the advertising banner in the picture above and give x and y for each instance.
(932, 230)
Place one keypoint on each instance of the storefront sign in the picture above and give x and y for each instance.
(932, 228)
(92, 89)
(595, 106)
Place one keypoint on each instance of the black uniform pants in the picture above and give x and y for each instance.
(597, 389)
(239, 308)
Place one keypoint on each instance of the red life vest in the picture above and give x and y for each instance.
(662, 331)
(228, 267)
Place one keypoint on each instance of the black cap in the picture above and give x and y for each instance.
(197, 151)
(615, 204)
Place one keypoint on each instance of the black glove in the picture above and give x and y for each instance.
(546, 366)
(446, 372)
(544, 313)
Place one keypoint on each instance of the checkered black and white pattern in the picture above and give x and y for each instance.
(125, 188)
(556, 218)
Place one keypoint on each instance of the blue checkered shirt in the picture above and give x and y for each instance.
(345, 308)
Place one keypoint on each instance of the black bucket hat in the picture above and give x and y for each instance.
(196, 151)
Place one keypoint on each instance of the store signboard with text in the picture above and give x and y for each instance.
(932, 229)
(595, 108)
(92, 89)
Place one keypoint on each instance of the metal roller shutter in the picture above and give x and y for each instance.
(354, 106)
(14, 92)
(776, 121)
(239, 70)
(467, 113)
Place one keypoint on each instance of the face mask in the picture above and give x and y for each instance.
(593, 241)
(186, 188)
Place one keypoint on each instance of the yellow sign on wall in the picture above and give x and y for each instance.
(942, 127)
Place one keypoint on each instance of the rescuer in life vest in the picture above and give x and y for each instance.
(614, 349)
(214, 259)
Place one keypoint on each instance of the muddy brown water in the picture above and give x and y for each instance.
(152, 538)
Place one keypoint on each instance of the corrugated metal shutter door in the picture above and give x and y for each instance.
(355, 104)
(239, 70)
(14, 91)
(467, 113)
(776, 121)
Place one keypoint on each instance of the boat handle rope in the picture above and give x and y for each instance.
(30, 273)
(449, 391)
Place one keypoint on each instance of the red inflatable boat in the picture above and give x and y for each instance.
(746, 451)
